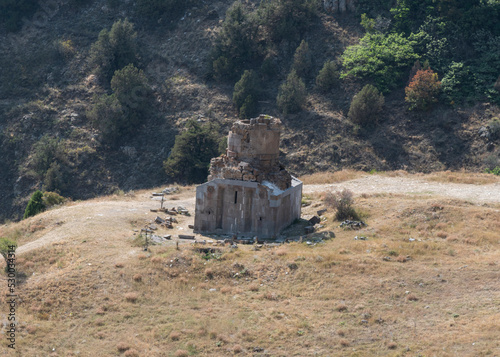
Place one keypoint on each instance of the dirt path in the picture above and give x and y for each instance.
(371, 184)
(87, 220)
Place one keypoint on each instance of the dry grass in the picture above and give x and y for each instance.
(471, 178)
(432, 293)
(331, 177)
(131, 297)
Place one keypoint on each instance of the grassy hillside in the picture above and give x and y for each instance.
(58, 104)
(88, 288)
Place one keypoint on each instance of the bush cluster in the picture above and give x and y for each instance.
(342, 202)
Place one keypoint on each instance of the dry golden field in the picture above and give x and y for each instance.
(89, 290)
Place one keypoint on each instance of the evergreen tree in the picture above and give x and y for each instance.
(190, 157)
(366, 105)
(327, 77)
(35, 205)
(302, 61)
(292, 94)
(245, 94)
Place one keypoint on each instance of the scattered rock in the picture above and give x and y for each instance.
(321, 212)
(185, 236)
(360, 238)
(315, 220)
(347, 224)
(170, 190)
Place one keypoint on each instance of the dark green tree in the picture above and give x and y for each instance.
(35, 205)
(130, 86)
(245, 94)
(366, 106)
(292, 94)
(327, 77)
(302, 61)
(190, 157)
(114, 49)
(119, 114)
(107, 115)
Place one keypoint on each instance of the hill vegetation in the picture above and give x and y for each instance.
(94, 92)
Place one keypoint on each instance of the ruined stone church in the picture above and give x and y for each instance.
(249, 193)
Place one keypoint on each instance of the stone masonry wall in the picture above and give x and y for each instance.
(252, 153)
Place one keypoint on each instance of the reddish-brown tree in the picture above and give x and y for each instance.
(423, 90)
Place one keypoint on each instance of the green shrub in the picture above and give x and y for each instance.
(494, 125)
(366, 106)
(45, 152)
(65, 49)
(495, 171)
(327, 77)
(342, 202)
(54, 179)
(302, 61)
(35, 205)
(245, 94)
(190, 157)
(384, 58)
(114, 49)
(292, 94)
(6, 246)
(269, 67)
(51, 199)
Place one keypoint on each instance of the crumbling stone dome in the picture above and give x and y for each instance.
(252, 153)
